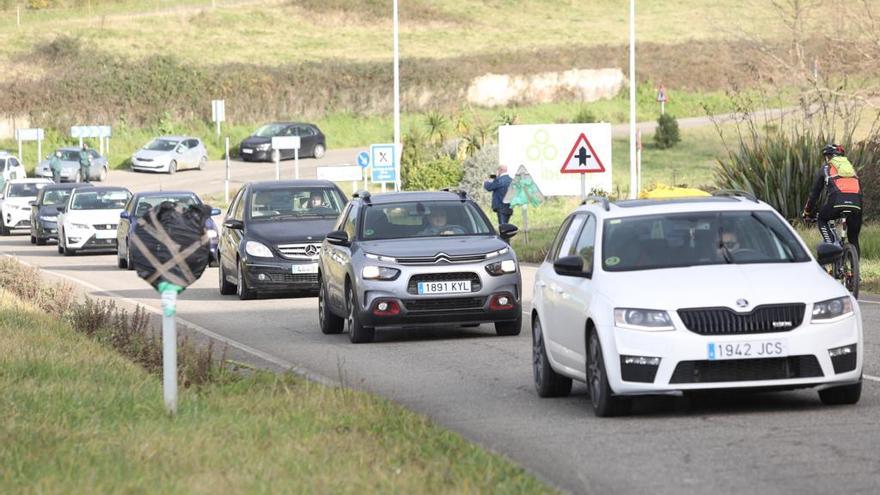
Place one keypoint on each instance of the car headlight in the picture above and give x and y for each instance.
(212, 234)
(80, 226)
(501, 267)
(373, 272)
(387, 259)
(642, 319)
(495, 254)
(263, 147)
(49, 219)
(257, 249)
(832, 309)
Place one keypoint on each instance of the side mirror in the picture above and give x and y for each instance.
(32, 203)
(571, 266)
(61, 208)
(234, 224)
(124, 214)
(827, 253)
(338, 238)
(507, 230)
(215, 212)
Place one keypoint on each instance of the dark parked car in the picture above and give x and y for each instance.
(139, 204)
(272, 236)
(44, 211)
(258, 147)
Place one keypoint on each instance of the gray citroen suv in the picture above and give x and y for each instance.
(413, 259)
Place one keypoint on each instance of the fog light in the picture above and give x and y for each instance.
(262, 277)
(501, 302)
(641, 360)
(386, 308)
(73, 240)
(844, 359)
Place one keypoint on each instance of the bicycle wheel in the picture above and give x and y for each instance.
(851, 274)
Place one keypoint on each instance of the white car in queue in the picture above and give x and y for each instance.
(88, 221)
(648, 297)
(16, 196)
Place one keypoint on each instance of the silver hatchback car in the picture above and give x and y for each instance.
(413, 259)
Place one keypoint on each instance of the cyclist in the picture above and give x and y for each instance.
(843, 195)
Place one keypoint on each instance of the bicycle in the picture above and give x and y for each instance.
(845, 269)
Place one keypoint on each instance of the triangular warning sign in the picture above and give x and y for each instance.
(582, 159)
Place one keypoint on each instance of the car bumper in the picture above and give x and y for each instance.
(256, 155)
(685, 364)
(16, 219)
(90, 241)
(278, 276)
(66, 175)
(478, 306)
(46, 230)
(140, 166)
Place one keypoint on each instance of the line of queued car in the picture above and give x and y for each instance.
(638, 297)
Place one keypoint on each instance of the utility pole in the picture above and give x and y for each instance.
(397, 150)
(633, 168)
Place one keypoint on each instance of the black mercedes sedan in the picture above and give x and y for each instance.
(44, 211)
(272, 235)
(258, 146)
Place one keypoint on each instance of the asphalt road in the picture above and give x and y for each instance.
(480, 385)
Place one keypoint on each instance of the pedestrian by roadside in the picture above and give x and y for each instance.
(498, 184)
(55, 166)
(85, 163)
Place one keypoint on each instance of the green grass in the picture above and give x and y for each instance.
(79, 418)
(362, 30)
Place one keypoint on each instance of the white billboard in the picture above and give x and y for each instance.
(557, 154)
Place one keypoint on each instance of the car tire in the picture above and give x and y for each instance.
(78, 177)
(33, 240)
(330, 323)
(202, 162)
(241, 289)
(602, 398)
(357, 332)
(226, 288)
(172, 167)
(3, 229)
(60, 247)
(68, 251)
(102, 177)
(509, 328)
(548, 383)
(121, 262)
(128, 263)
(842, 395)
(320, 150)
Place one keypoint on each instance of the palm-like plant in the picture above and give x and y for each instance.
(437, 125)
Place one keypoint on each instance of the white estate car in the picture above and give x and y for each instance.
(667, 296)
(15, 203)
(10, 167)
(89, 219)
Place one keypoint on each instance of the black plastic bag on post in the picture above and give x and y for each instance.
(171, 245)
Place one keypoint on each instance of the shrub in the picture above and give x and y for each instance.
(476, 170)
(434, 174)
(584, 116)
(666, 136)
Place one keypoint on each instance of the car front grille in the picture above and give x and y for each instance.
(440, 258)
(413, 286)
(104, 226)
(725, 321)
(295, 278)
(742, 370)
(445, 304)
(302, 251)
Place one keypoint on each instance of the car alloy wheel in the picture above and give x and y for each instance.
(330, 323)
(103, 176)
(548, 383)
(244, 292)
(601, 397)
(357, 333)
(226, 288)
(202, 162)
(172, 167)
(319, 150)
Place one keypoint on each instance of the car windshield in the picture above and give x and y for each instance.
(29, 190)
(270, 130)
(704, 238)
(148, 202)
(69, 155)
(423, 219)
(100, 200)
(293, 202)
(161, 145)
(56, 197)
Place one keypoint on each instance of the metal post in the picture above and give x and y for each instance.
(633, 179)
(169, 352)
(364, 173)
(19, 151)
(39, 150)
(277, 164)
(227, 170)
(396, 103)
(526, 221)
(383, 186)
(18, 15)
(662, 108)
(218, 128)
(639, 161)
(80, 143)
(583, 186)
(296, 163)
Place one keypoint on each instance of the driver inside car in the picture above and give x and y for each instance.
(437, 224)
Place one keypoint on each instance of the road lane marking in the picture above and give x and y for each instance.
(309, 375)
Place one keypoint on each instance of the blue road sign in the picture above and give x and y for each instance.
(363, 159)
(384, 161)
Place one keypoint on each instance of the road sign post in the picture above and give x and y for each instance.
(383, 160)
(662, 98)
(218, 113)
(169, 351)
(35, 134)
(226, 186)
(101, 132)
(363, 161)
(280, 143)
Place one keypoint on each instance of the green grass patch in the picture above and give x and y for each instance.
(80, 418)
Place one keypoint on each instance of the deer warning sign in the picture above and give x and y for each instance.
(582, 159)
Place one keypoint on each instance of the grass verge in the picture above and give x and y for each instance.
(81, 418)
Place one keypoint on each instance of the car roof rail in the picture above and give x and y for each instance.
(462, 194)
(364, 195)
(734, 193)
(598, 199)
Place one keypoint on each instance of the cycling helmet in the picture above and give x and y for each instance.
(832, 150)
